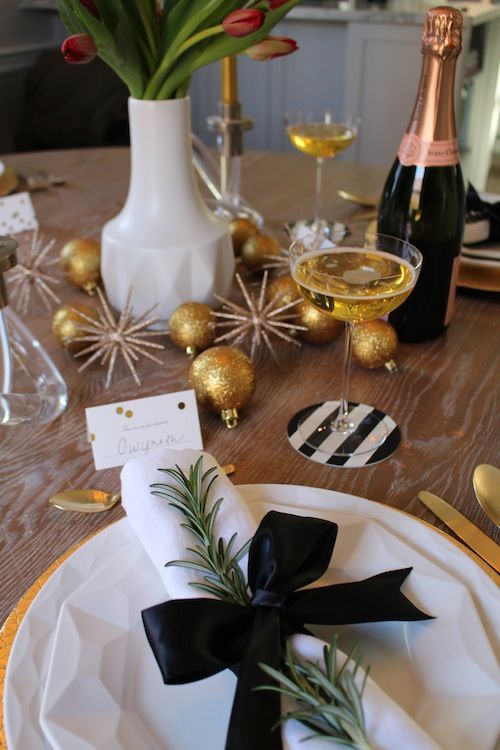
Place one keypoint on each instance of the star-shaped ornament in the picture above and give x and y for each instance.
(31, 274)
(258, 321)
(109, 337)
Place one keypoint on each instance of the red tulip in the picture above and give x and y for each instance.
(243, 22)
(272, 4)
(92, 8)
(79, 49)
(273, 46)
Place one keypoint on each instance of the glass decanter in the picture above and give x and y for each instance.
(31, 386)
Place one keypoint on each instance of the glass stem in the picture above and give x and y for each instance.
(318, 207)
(342, 423)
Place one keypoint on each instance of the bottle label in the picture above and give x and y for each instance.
(450, 308)
(414, 151)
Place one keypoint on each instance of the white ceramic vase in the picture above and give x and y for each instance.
(165, 243)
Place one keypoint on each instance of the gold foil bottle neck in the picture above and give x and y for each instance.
(442, 34)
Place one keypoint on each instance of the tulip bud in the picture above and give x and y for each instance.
(92, 8)
(273, 46)
(273, 4)
(79, 49)
(243, 22)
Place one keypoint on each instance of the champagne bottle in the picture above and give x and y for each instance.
(423, 200)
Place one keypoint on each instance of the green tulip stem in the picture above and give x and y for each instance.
(157, 85)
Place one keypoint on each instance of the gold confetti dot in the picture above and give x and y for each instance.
(129, 413)
(92, 437)
(181, 405)
(119, 409)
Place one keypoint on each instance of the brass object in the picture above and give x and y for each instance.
(81, 263)
(192, 327)
(97, 501)
(486, 481)
(463, 528)
(359, 200)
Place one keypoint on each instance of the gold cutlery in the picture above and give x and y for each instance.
(486, 481)
(96, 501)
(360, 200)
(463, 528)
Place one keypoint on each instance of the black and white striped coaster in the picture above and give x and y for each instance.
(362, 444)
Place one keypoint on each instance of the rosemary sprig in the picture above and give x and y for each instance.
(216, 561)
(329, 699)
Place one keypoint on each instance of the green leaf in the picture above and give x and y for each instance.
(215, 49)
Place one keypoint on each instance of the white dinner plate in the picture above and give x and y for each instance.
(454, 700)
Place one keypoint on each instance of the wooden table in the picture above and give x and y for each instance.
(445, 397)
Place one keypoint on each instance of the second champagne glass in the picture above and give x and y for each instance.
(322, 134)
(353, 278)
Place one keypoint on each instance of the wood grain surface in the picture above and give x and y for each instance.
(445, 396)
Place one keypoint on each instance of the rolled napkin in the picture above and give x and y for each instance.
(194, 640)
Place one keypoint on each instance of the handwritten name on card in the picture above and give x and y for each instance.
(129, 429)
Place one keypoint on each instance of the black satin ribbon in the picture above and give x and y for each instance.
(196, 638)
(477, 209)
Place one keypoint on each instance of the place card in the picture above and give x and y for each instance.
(129, 429)
(17, 214)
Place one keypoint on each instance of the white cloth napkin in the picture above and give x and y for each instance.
(158, 527)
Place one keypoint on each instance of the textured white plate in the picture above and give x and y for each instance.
(455, 698)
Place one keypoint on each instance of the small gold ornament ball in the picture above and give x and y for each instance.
(321, 327)
(241, 229)
(374, 344)
(256, 251)
(223, 378)
(80, 262)
(65, 326)
(284, 289)
(192, 327)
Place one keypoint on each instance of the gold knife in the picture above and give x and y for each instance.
(477, 540)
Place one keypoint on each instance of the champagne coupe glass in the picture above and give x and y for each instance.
(353, 278)
(322, 134)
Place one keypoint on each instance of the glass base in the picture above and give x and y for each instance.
(367, 436)
(300, 228)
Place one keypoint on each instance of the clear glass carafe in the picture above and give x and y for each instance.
(31, 387)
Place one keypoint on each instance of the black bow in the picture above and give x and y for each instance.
(196, 638)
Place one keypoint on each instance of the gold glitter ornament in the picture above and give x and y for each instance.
(283, 289)
(321, 328)
(242, 229)
(192, 327)
(257, 251)
(224, 379)
(374, 344)
(80, 263)
(66, 325)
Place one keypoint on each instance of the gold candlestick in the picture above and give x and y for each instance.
(229, 80)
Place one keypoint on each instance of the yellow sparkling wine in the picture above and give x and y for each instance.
(354, 284)
(321, 139)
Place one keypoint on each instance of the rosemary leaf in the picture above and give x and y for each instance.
(216, 561)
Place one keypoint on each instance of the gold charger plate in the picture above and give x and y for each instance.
(11, 625)
(480, 275)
